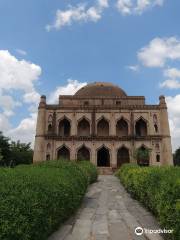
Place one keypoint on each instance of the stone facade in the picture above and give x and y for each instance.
(102, 124)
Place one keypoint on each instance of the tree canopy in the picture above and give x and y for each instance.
(13, 153)
(176, 157)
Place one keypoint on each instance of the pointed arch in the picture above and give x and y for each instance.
(83, 153)
(103, 127)
(48, 147)
(103, 157)
(63, 153)
(141, 127)
(122, 156)
(122, 127)
(83, 128)
(64, 127)
(50, 118)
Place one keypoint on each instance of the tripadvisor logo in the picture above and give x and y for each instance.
(139, 231)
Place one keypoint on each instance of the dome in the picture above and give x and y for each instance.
(100, 89)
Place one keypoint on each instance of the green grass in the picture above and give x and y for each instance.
(36, 199)
(158, 188)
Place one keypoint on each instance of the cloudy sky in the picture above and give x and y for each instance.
(55, 47)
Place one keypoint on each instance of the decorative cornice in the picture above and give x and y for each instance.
(100, 107)
(99, 138)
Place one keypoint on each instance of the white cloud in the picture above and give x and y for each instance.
(71, 88)
(172, 73)
(159, 51)
(17, 74)
(17, 87)
(173, 81)
(134, 68)
(128, 7)
(4, 123)
(173, 104)
(21, 52)
(25, 131)
(80, 13)
(170, 83)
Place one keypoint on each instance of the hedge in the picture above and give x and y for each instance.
(158, 188)
(36, 199)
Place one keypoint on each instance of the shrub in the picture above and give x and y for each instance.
(158, 188)
(89, 169)
(35, 199)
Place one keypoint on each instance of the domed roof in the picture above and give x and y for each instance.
(101, 89)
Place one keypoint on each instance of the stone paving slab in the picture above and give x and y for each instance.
(108, 213)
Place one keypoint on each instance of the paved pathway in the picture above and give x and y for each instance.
(108, 213)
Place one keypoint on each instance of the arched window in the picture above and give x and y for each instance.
(122, 156)
(141, 128)
(50, 128)
(83, 128)
(156, 128)
(83, 154)
(103, 157)
(64, 128)
(48, 147)
(50, 118)
(103, 128)
(158, 158)
(63, 153)
(122, 128)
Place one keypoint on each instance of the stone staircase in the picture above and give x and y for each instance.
(105, 170)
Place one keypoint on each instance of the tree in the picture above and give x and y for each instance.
(142, 156)
(14, 153)
(5, 150)
(176, 157)
(21, 153)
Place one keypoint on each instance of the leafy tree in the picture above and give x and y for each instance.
(142, 156)
(14, 153)
(1, 156)
(176, 157)
(5, 150)
(21, 153)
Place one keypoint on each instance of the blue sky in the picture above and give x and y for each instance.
(133, 44)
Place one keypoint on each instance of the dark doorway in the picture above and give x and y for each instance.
(141, 128)
(83, 154)
(64, 128)
(103, 128)
(103, 157)
(64, 153)
(122, 156)
(83, 128)
(122, 128)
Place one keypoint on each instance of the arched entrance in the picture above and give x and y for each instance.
(83, 154)
(64, 128)
(103, 128)
(141, 128)
(103, 157)
(63, 153)
(83, 128)
(122, 156)
(122, 128)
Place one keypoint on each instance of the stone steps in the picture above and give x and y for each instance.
(105, 170)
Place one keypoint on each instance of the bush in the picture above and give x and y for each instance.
(89, 170)
(36, 199)
(158, 188)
